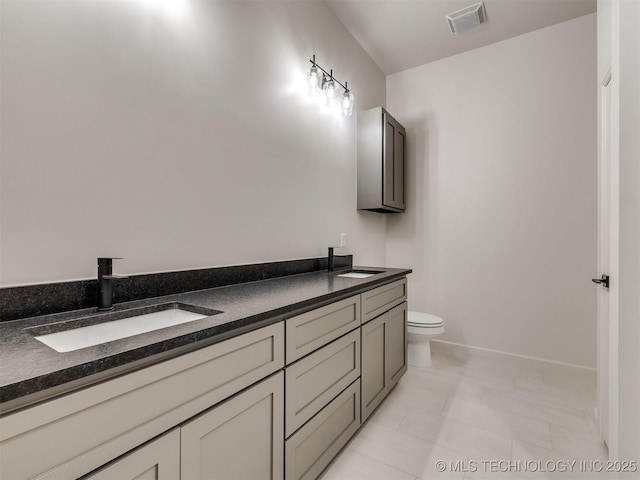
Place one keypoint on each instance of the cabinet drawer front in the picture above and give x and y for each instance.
(312, 330)
(315, 380)
(239, 439)
(377, 301)
(311, 449)
(104, 421)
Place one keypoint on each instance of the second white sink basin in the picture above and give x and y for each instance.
(359, 274)
(108, 331)
(356, 275)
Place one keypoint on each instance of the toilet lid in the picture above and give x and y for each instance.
(424, 320)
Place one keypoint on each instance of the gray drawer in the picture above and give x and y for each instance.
(315, 380)
(312, 330)
(377, 301)
(311, 449)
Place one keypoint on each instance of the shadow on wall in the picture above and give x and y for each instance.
(411, 237)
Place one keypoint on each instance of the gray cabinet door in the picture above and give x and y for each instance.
(381, 162)
(156, 460)
(374, 379)
(397, 344)
(393, 162)
(384, 356)
(398, 168)
(241, 438)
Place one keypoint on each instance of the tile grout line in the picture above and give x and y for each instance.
(510, 437)
(435, 442)
(551, 404)
(548, 421)
(385, 463)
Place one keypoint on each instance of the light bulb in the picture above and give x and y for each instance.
(347, 103)
(330, 93)
(314, 81)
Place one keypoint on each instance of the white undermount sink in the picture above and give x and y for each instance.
(110, 330)
(359, 274)
(356, 275)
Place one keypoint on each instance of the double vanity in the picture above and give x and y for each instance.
(270, 379)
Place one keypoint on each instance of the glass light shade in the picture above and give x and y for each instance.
(331, 93)
(314, 80)
(347, 103)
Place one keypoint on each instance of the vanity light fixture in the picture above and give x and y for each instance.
(321, 80)
(329, 88)
(347, 101)
(315, 79)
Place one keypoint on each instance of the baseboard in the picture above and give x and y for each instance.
(490, 353)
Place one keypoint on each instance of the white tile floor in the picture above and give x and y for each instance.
(483, 415)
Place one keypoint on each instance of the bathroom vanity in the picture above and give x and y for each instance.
(274, 390)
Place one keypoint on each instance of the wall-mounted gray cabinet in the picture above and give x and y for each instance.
(381, 154)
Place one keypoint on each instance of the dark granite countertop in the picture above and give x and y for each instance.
(31, 371)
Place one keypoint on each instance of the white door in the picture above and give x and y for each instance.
(607, 324)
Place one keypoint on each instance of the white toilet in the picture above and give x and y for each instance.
(421, 327)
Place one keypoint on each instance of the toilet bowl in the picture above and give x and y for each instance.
(421, 327)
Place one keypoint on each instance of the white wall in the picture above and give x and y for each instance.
(501, 229)
(175, 134)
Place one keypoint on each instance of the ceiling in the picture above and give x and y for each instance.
(401, 34)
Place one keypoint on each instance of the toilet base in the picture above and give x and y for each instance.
(419, 350)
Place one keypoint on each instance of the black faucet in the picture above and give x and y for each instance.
(330, 262)
(105, 283)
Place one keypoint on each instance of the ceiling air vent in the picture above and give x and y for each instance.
(467, 18)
